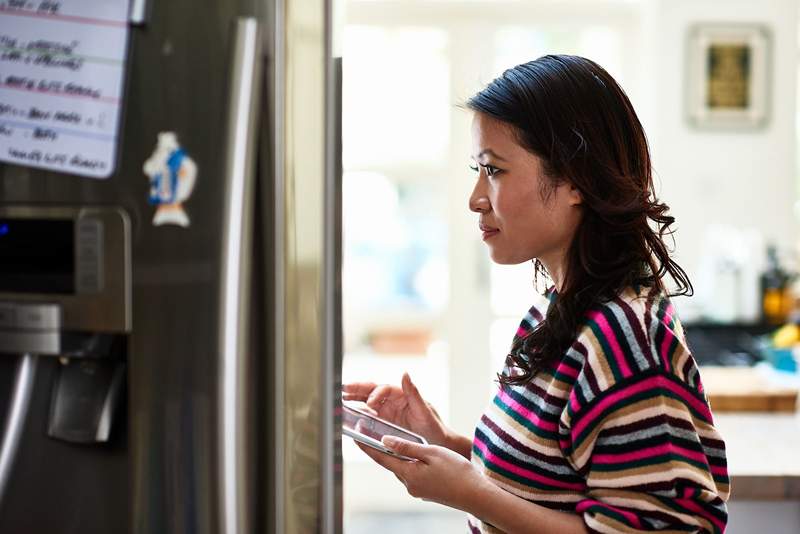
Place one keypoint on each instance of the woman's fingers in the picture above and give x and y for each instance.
(375, 396)
(357, 391)
(380, 395)
(385, 460)
(411, 391)
(368, 410)
(388, 400)
(407, 448)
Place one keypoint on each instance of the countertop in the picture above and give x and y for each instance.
(763, 454)
(763, 450)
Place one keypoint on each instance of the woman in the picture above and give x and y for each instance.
(600, 423)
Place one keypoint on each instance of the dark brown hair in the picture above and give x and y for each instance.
(571, 113)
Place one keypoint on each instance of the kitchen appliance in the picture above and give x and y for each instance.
(170, 345)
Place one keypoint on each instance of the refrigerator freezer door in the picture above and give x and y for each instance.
(299, 225)
(229, 427)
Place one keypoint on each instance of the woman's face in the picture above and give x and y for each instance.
(519, 219)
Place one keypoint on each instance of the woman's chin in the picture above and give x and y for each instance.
(500, 258)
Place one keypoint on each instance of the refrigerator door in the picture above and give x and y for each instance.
(301, 222)
(232, 351)
(193, 432)
(166, 465)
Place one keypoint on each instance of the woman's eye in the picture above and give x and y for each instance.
(491, 170)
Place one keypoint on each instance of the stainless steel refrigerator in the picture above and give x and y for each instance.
(170, 345)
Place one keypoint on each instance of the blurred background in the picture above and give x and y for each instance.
(715, 84)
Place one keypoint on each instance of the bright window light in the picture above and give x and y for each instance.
(396, 96)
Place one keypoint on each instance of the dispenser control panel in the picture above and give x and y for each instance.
(75, 258)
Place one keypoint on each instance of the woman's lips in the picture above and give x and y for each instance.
(488, 231)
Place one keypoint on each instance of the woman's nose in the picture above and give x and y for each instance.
(478, 200)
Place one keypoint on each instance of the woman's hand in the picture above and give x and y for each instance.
(436, 474)
(403, 406)
(440, 475)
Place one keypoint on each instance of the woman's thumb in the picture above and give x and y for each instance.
(411, 390)
(405, 447)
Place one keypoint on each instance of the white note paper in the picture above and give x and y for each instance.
(62, 65)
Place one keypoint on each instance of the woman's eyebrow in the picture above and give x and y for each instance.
(488, 152)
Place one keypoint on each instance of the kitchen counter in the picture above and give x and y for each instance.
(763, 448)
(763, 454)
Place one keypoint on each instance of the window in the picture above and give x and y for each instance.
(420, 294)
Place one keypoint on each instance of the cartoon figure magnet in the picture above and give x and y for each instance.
(172, 175)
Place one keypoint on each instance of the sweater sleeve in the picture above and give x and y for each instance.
(642, 435)
(651, 460)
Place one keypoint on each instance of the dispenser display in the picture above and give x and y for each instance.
(37, 256)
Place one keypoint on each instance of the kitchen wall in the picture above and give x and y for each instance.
(745, 179)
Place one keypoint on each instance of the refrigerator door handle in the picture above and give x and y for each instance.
(331, 387)
(242, 120)
(138, 12)
(24, 379)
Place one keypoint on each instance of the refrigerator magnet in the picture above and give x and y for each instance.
(172, 175)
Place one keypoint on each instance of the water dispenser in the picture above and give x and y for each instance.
(65, 286)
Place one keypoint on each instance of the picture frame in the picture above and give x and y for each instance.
(728, 73)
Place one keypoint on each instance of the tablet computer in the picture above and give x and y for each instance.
(368, 429)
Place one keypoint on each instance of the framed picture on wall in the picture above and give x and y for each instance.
(727, 83)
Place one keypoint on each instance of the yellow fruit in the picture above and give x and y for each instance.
(786, 336)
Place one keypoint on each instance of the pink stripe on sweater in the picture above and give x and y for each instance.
(719, 470)
(669, 313)
(649, 452)
(652, 382)
(565, 369)
(573, 402)
(490, 458)
(668, 337)
(608, 333)
(526, 413)
(630, 516)
(699, 510)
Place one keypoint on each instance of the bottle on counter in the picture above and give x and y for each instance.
(776, 295)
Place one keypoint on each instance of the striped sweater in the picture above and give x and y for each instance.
(618, 430)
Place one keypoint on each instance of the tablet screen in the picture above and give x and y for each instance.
(372, 427)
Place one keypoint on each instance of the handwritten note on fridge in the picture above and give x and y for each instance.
(62, 65)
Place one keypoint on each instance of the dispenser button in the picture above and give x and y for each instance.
(90, 256)
(38, 317)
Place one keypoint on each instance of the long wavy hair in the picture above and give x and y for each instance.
(571, 113)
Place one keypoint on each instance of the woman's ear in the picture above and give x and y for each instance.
(574, 195)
